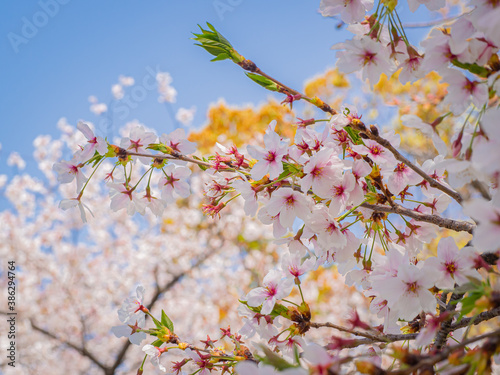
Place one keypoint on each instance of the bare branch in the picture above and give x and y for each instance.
(475, 320)
(442, 355)
(432, 182)
(84, 352)
(155, 298)
(371, 338)
(431, 23)
(457, 226)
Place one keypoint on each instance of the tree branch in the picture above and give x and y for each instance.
(475, 320)
(432, 182)
(84, 352)
(457, 226)
(154, 300)
(445, 329)
(370, 337)
(440, 356)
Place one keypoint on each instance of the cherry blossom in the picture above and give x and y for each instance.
(94, 143)
(488, 216)
(123, 197)
(462, 91)
(321, 170)
(408, 293)
(366, 55)
(269, 159)
(67, 171)
(138, 140)
(155, 352)
(289, 204)
(132, 308)
(173, 181)
(453, 266)
(275, 287)
(350, 11)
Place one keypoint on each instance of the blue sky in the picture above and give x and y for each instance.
(56, 53)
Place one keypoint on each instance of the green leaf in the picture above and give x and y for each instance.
(263, 81)
(273, 359)
(353, 134)
(370, 186)
(202, 167)
(215, 44)
(157, 323)
(165, 320)
(157, 343)
(481, 71)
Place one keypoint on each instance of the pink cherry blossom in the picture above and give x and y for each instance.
(174, 181)
(155, 353)
(289, 204)
(94, 143)
(327, 229)
(275, 288)
(367, 55)
(453, 266)
(269, 159)
(178, 141)
(487, 215)
(292, 264)
(350, 11)
(123, 197)
(131, 331)
(137, 142)
(67, 171)
(462, 92)
(321, 170)
(402, 177)
(408, 293)
(132, 308)
(249, 194)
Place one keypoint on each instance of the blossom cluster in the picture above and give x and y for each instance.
(338, 193)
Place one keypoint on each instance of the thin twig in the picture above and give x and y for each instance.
(457, 226)
(432, 182)
(440, 356)
(370, 337)
(84, 352)
(431, 23)
(171, 157)
(475, 320)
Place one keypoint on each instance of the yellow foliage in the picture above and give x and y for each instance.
(325, 84)
(422, 98)
(240, 125)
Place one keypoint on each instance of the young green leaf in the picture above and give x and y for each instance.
(263, 81)
(165, 320)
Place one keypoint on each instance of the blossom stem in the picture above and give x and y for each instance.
(301, 295)
(138, 182)
(290, 302)
(92, 174)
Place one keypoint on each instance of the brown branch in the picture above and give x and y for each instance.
(431, 23)
(154, 300)
(370, 337)
(475, 320)
(83, 351)
(171, 157)
(483, 190)
(457, 226)
(445, 329)
(432, 182)
(440, 356)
